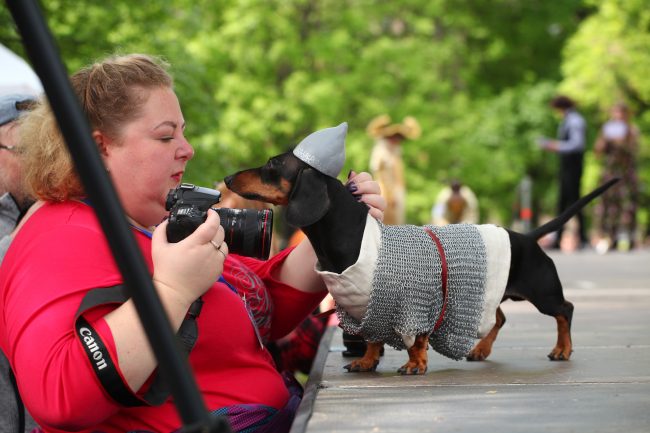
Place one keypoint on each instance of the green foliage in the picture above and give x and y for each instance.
(256, 76)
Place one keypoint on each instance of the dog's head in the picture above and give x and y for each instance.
(287, 181)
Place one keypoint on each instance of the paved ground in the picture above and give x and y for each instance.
(604, 388)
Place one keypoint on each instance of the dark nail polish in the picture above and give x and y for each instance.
(352, 187)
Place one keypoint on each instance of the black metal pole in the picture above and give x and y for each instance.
(174, 367)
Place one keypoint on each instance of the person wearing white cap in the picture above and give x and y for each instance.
(14, 202)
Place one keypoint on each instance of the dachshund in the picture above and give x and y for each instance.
(334, 222)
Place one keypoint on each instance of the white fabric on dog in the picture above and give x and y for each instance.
(497, 246)
(351, 288)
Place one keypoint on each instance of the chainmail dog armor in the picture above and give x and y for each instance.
(407, 296)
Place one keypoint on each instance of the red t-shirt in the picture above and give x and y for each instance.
(58, 256)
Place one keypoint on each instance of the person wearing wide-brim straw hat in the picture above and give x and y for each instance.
(386, 163)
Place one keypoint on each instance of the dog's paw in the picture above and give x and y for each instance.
(361, 365)
(560, 354)
(411, 368)
(479, 353)
(475, 357)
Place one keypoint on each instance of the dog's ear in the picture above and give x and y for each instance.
(309, 199)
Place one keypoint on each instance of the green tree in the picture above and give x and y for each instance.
(256, 76)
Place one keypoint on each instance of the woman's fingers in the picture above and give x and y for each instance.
(193, 264)
(367, 190)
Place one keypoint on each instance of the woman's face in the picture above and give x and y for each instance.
(617, 113)
(149, 158)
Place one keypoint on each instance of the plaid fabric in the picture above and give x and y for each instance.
(251, 418)
(297, 351)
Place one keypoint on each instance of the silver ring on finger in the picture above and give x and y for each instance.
(222, 253)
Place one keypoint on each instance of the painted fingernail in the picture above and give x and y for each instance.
(352, 187)
(349, 174)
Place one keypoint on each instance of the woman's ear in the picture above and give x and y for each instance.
(102, 143)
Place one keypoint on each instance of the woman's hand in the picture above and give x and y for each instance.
(183, 271)
(367, 190)
(188, 268)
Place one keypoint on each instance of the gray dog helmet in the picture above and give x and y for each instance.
(324, 150)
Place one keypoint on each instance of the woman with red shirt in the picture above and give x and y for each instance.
(60, 352)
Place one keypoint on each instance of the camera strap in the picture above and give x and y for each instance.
(100, 358)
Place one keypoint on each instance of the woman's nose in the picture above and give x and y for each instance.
(185, 151)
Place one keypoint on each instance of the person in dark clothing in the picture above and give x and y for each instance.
(570, 146)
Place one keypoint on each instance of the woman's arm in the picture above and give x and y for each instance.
(41, 308)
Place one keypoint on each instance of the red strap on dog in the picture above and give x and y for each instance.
(443, 263)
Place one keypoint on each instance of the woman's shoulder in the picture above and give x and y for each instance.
(59, 239)
(575, 119)
(67, 213)
(61, 220)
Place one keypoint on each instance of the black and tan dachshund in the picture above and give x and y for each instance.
(334, 222)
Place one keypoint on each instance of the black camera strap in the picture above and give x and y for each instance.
(100, 358)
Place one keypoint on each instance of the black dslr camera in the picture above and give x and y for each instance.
(248, 231)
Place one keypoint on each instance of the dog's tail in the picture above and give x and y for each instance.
(559, 221)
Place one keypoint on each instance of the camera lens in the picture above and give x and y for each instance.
(248, 231)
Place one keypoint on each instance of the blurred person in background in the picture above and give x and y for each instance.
(456, 203)
(617, 148)
(386, 163)
(570, 147)
(14, 205)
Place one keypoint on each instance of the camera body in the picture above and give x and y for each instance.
(188, 207)
(248, 231)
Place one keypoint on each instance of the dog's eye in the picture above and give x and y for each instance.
(273, 163)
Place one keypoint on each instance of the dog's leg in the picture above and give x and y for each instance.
(417, 356)
(534, 277)
(370, 358)
(483, 348)
(563, 347)
(550, 301)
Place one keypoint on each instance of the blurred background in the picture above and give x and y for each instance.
(255, 76)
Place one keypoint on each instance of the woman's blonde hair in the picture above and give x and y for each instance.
(111, 93)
